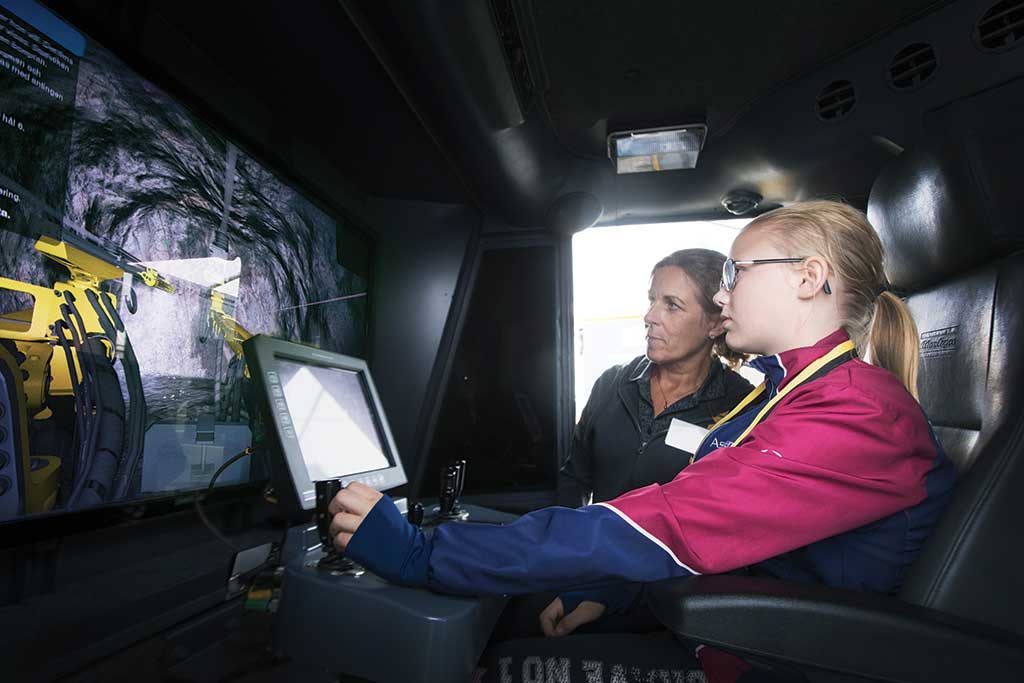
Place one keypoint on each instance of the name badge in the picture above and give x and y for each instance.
(684, 436)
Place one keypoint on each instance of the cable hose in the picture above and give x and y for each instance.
(129, 458)
(106, 436)
(84, 389)
(81, 428)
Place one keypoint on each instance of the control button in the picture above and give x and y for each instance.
(276, 391)
(5, 484)
(272, 377)
(285, 419)
(289, 432)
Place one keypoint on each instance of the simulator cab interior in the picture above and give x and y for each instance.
(253, 251)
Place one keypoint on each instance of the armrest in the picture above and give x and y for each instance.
(859, 634)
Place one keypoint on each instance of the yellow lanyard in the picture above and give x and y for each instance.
(804, 375)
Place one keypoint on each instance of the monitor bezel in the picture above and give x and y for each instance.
(262, 354)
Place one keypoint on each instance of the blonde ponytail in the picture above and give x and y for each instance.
(893, 340)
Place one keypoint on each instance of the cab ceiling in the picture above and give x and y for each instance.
(532, 148)
(506, 104)
(628, 63)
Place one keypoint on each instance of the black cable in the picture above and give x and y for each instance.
(86, 388)
(87, 443)
(92, 349)
(105, 321)
(137, 423)
(126, 458)
(81, 428)
(199, 508)
(136, 397)
(112, 312)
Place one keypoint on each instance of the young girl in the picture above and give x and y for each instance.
(828, 472)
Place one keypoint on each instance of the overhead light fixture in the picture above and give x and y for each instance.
(656, 149)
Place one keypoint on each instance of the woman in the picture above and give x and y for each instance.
(619, 442)
(828, 472)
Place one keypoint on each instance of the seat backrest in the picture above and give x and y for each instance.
(948, 214)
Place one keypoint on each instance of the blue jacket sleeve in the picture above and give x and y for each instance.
(553, 549)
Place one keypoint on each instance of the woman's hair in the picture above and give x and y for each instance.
(704, 268)
(878, 322)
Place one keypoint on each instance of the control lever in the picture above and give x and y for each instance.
(453, 479)
(446, 497)
(415, 514)
(460, 481)
(333, 559)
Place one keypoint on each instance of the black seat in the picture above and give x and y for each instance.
(949, 215)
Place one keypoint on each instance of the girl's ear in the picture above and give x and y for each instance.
(814, 279)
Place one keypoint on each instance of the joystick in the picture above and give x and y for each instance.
(453, 479)
(333, 559)
(415, 515)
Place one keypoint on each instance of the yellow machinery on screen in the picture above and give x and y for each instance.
(42, 373)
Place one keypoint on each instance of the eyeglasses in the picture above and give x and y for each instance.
(729, 272)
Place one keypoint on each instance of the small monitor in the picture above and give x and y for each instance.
(323, 420)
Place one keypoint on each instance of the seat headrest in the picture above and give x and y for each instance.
(953, 202)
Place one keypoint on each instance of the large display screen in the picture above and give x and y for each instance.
(138, 248)
(330, 412)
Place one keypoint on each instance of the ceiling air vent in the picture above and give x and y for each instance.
(1002, 27)
(835, 101)
(912, 66)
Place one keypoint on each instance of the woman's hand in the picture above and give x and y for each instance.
(350, 508)
(554, 621)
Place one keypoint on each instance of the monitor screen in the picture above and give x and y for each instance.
(331, 415)
(322, 418)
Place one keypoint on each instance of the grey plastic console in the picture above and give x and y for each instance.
(334, 624)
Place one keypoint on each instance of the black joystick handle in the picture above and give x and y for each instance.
(453, 479)
(447, 497)
(325, 493)
(415, 515)
(460, 480)
(333, 559)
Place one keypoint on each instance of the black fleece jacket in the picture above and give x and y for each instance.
(619, 445)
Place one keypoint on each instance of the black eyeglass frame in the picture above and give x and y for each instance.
(730, 274)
